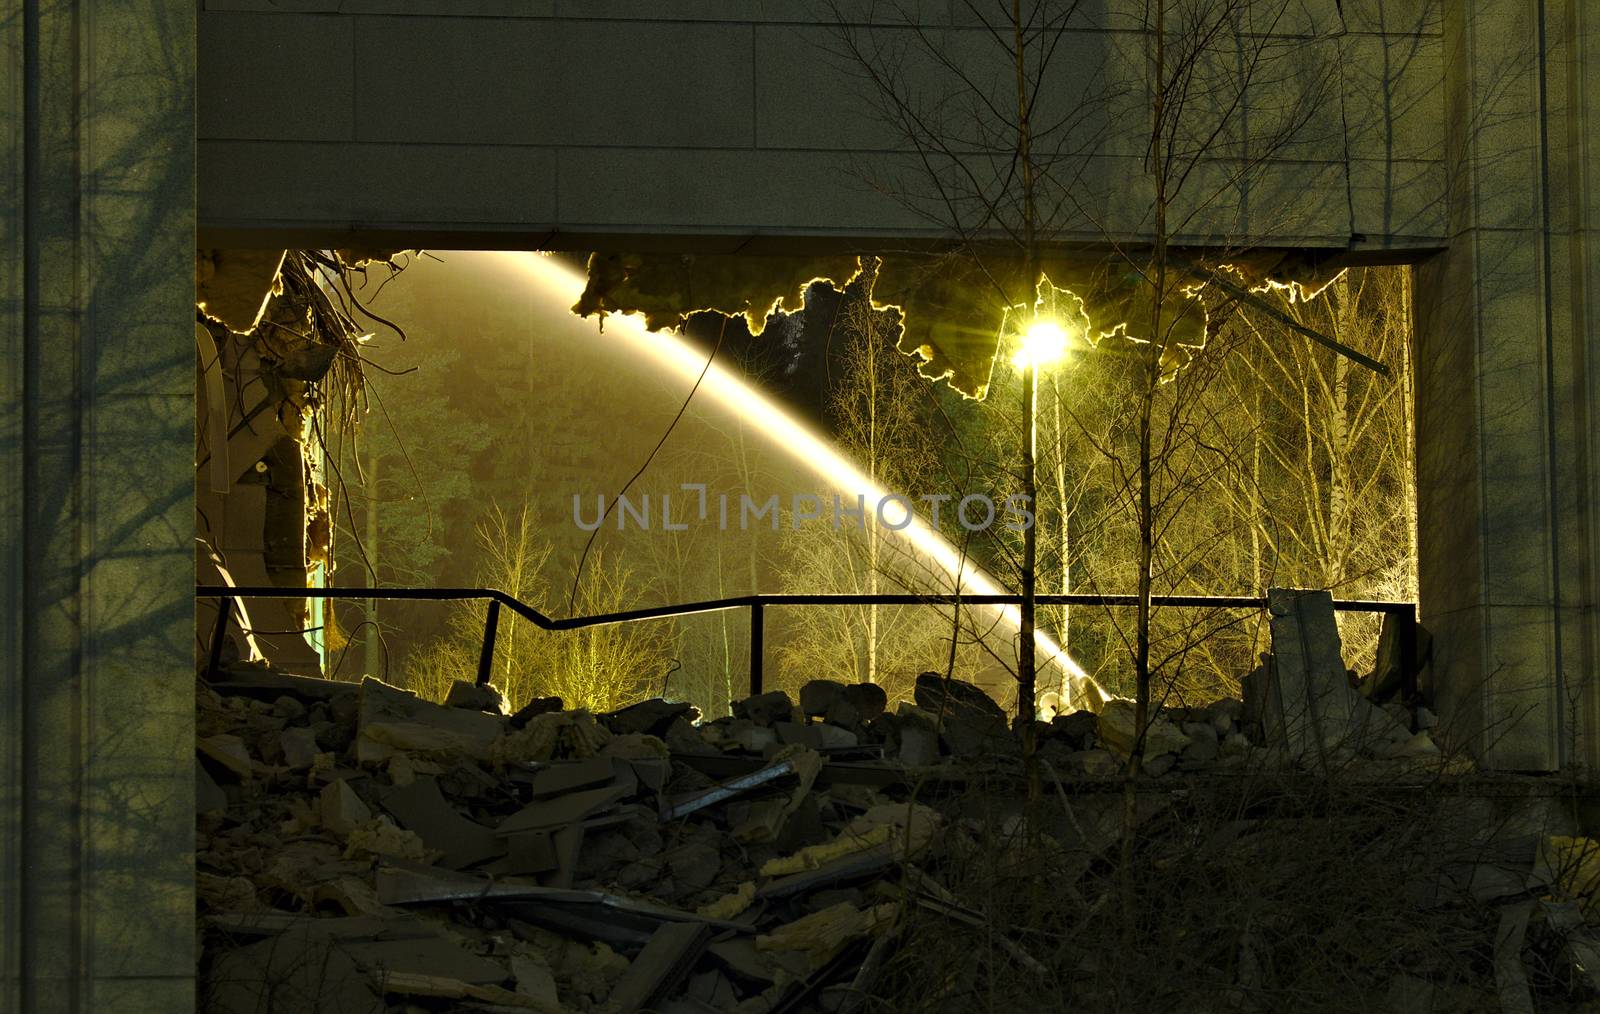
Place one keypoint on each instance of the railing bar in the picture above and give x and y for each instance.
(770, 599)
(491, 624)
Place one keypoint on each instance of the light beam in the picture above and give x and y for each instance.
(729, 390)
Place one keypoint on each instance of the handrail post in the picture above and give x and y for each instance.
(758, 637)
(218, 634)
(1408, 654)
(491, 624)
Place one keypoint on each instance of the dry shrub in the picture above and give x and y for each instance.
(600, 668)
(1245, 892)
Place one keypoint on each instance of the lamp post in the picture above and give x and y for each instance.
(1044, 342)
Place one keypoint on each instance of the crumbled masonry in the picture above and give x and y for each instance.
(361, 849)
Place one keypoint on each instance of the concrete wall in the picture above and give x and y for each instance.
(1508, 337)
(96, 412)
(721, 124)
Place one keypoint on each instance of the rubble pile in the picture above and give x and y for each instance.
(362, 849)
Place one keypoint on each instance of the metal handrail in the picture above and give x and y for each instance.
(757, 603)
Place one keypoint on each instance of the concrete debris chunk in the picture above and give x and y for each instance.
(228, 751)
(1118, 731)
(302, 971)
(421, 857)
(422, 808)
(208, 796)
(660, 967)
(475, 698)
(299, 748)
(393, 719)
(341, 809)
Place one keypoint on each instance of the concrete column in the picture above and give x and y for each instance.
(96, 612)
(1507, 342)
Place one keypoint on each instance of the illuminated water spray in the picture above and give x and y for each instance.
(731, 392)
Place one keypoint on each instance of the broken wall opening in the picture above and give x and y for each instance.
(462, 473)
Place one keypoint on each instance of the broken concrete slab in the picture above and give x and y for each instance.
(1118, 732)
(868, 699)
(559, 811)
(1310, 711)
(664, 963)
(463, 694)
(1307, 703)
(392, 719)
(302, 970)
(299, 747)
(229, 751)
(764, 709)
(341, 809)
(208, 796)
(651, 717)
(817, 696)
(441, 987)
(422, 808)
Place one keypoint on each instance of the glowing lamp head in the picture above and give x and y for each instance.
(1044, 342)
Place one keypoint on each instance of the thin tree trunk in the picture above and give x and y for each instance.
(1030, 537)
(1064, 631)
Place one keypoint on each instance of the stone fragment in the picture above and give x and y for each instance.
(919, 743)
(956, 699)
(299, 970)
(289, 708)
(1418, 745)
(229, 751)
(299, 746)
(1158, 765)
(661, 966)
(1203, 746)
(420, 807)
(764, 709)
(1116, 730)
(816, 737)
(650, 717)
(817, 696)
(1308, 706)
(1078, 728)
(208, 796)
(535, 979)
(694, 865)
(341, 809)
(392, 719)
(464, 694)
(1098, 763)
(868, 699)
(1223, 714)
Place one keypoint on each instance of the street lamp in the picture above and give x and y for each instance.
(1044, 342)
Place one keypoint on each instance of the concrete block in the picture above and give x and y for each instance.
(456, 80)
(928, 12)
(245, 184)
(1523, 724)
(1393, 91)
(553, 82)
(813, 91)
(751, 192)
(1394, 17)
(451, 8)
(275, 76)
(1399, 204)
(1275, 202)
